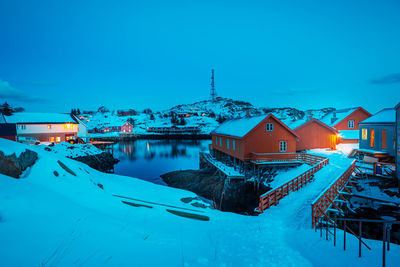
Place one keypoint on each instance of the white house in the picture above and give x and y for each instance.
(45, 127)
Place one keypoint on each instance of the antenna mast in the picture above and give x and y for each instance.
(213, 93)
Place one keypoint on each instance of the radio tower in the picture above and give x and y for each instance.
(213, 93)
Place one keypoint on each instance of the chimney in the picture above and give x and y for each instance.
(334, 118)
(309, 115)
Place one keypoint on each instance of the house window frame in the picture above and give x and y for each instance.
(283, 146)
(269, 127)
(233, 145)
(22, 126)
(364, 134)
(49, 126)
(350, 124)
(220, 141)
(227, 143)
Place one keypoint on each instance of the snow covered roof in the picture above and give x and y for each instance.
(350, 134)
(239, 127)
(340, 115)
(39, 118)
(385, 116)
(242, 126)
(301, 123)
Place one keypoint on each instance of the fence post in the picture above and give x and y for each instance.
(359, 238)
(344, 236)
(334, 233)
(384, 247)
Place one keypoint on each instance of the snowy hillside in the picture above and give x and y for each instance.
(206, 115)
(74, 218)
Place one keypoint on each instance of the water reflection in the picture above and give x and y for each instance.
(148, 159)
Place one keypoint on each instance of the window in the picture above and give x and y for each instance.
(52, 139)
(233, 144)
(282, 146)
(364, 134)
(58, 139)
(269, 127)
(350, 124)
(49, 126)
(22, 126)
(227, 143)
(372, 141)
(220, 141)
(384, 139)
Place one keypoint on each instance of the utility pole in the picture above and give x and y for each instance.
(213, 93)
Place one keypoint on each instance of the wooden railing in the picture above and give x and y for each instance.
(273, 196)
(320, 205)
(285, 157)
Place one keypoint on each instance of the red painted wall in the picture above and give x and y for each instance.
(127, 128)
(258, 140)
(261, 141)
(358, 116)
(314, 135)
(12, 138)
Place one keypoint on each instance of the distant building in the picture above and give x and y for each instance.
(241, 138)
(377, 133)
(45, 127)
(346, 121)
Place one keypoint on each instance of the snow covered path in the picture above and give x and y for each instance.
(294, 214)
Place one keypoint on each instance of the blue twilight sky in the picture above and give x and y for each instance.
(56, 55)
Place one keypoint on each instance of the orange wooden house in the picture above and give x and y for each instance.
(241, 138)
(315, 134)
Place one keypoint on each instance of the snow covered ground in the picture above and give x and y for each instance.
(72, 150)
(69, 220)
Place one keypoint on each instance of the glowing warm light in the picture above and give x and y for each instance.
(148, 146)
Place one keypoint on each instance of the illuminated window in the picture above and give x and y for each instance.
(52, 139)
(372, 141)
(68, 126)
(58, 139)
(282, 146)
(350, 124)
(364, 134)
(227, 143)
(269, 127)
(49, 126)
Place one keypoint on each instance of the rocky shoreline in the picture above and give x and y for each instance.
(103, 162)
(234, 196)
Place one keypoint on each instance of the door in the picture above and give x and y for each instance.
(372, 138)
(384, 139)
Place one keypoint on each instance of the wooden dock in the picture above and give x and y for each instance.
(225, 171)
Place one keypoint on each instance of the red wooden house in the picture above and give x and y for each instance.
(346, 122)
(315, 134)
(241, 138)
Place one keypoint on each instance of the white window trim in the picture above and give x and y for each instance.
(281, 146)
(352, 124)
(267, 128)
